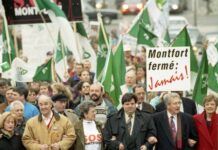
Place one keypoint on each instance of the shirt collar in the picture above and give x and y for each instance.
(49, 118)
(169, 115)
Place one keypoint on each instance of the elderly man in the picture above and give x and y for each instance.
(175, 130)
(130, 81)
(130, 128)
(49, 130)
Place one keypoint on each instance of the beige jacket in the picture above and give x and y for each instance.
(61, 131)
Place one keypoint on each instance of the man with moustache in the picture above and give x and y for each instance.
(104, 107)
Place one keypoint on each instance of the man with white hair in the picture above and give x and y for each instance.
(49, 130)
(130, 81)
(17, 108)
(175, 130)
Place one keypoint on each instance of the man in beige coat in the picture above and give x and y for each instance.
(49, 130)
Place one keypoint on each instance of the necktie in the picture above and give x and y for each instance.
(173, 128)
(129, 124)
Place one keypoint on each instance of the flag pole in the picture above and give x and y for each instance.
(105, 39)
(102, 28)
(7, 34)
(15, 43)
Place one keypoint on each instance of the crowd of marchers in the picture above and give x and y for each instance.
(79, 115)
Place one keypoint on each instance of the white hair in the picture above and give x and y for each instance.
(16, 102)
(45, 97)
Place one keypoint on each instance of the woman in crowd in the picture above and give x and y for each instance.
(82, 92)
(45, 89)
(8, 98)
(88, 131)
(8, 139)
(32, 96)
(207, 124)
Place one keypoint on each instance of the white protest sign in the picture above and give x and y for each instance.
(168, 69)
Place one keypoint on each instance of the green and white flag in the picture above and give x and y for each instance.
(58, 17)
(45, 72)
(119, 70)
(183, 39)
(201, 84)
(212, 54)
(9, 52)
(22, 71)
(145, 37)
(141, 18)
(103, 48)
(61, 53)
(114, 73)
(88, 51)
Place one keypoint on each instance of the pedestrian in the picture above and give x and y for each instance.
(60, 103)
(88, 131)
(49, 130)
(175, 130)
(129, 128)
(8, 139)
(207, 124)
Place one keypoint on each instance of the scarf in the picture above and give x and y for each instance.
(7, 134)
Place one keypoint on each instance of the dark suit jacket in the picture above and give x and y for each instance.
(115, 130)
(188, 105)
(147, 108)
(165, 141)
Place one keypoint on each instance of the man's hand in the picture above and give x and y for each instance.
(44, 147)
(191, 142)
(143, 147)
(152, 140)
(55, 146)
(121, 146)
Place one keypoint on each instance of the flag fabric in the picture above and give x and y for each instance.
(201, 84)
(61, 53)
(212, 54)
(108, 77)
(119, 70)
(45, 72)
(22, 71)
(9, 52)
(88, 52)
(114, 73)
(146, 37)
(102, 53)
(160, 3)
(141, 18)
(58, 17)
(183, 39)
